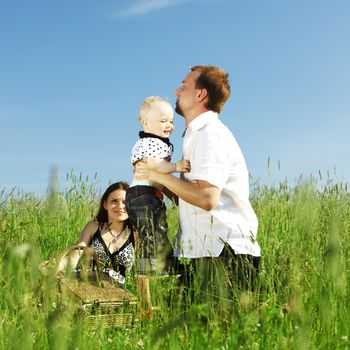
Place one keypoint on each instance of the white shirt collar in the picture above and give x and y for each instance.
(202, 120)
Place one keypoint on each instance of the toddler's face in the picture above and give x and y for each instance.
(160, 120)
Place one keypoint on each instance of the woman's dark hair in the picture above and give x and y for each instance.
(102, 215)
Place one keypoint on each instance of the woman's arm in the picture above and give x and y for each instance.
(87, 233)
(72, 258)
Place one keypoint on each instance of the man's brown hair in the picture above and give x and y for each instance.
(215, 81)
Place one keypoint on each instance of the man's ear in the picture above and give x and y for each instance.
(202, 95)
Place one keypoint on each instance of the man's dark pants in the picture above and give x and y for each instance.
(215, 280)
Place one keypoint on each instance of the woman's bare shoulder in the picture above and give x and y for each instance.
(88, 231)
(92, 225)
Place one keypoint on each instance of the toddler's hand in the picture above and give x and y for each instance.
(183, 166)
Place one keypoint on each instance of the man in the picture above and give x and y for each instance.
(218, 226)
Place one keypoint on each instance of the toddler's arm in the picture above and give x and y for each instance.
(183, 166)
(164, 167)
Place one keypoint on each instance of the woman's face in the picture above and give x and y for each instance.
(115, 206)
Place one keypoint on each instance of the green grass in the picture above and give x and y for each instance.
(302, 302)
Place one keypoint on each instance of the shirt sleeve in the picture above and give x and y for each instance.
(211, 160)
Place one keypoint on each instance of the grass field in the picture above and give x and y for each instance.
(303, 299)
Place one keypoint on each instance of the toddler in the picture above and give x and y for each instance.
(144, 203)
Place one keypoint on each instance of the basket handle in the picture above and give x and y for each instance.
(63, 259)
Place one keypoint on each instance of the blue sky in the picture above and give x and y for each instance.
(74, 73)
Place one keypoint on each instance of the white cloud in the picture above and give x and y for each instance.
(143, 7)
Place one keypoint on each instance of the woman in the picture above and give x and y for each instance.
(110, 235)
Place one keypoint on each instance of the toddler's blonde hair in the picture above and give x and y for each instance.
(147, 104)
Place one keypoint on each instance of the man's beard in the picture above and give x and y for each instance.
(178, 109)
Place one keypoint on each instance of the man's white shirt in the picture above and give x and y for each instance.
(216, 158)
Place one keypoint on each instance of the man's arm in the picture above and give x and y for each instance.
(199, 193)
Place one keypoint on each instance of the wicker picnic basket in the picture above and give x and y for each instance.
(98, 297)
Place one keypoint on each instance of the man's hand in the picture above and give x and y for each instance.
(145, 171)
